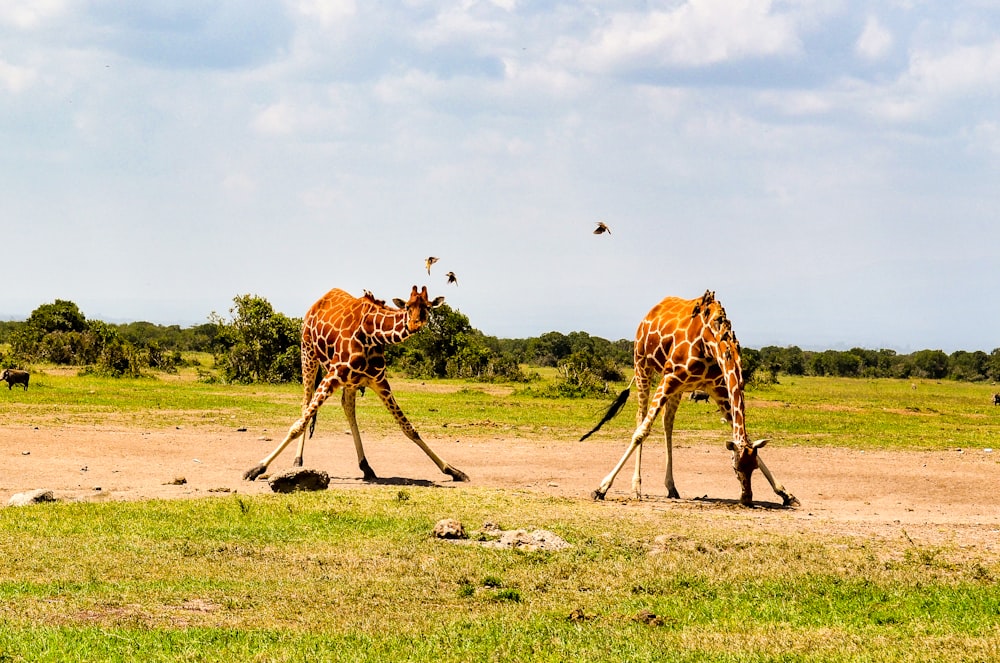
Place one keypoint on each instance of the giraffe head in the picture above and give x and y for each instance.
(744, 463)
(417, 307)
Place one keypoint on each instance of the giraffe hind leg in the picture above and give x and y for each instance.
(347, 400)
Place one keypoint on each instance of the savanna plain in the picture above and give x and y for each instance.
(156, 549)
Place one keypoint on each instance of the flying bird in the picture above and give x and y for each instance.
(452, 278)
(602, 228)
(430, 261)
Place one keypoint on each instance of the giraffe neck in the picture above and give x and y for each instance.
(387, 327)
(726, 348)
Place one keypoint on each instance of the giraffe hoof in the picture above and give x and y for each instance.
(598, 494)
(367, 471)
(254, 472)
(457, 475)
(790, 500)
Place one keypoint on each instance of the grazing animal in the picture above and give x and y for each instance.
(996, 399)
(602, 228)
(691, 343)
(430, 261)
(347, 336)
(13, 376)
(452, 278)
(698, 395)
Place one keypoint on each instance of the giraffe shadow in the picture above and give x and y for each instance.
(726, 502)
(385, 481)
(400, 481)
(718, 502)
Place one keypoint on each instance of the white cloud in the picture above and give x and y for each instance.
(875, 40)
(31, 14)
(327, 12)
(276, 119)
(697, 33)
(963, 69)
(15, 78)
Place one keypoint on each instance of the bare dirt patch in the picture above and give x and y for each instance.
(935, 497)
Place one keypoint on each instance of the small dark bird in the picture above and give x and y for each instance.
(430, 261)
(602, 228)
(452, 278)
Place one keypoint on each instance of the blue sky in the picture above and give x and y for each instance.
(829, 168)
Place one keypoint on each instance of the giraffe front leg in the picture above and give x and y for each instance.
(640, 434)
(347, 400)
(409, 431)
(787, 499)
(297, 429)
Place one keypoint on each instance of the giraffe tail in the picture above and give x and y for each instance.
(613, 411)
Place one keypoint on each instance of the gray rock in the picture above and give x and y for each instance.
(299, 479)
(32, 497)
(449, 528)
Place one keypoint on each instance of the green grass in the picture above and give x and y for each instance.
(356, 576)
(855, 413)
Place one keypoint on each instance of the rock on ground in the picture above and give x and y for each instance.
(299, 479)
(32, 497)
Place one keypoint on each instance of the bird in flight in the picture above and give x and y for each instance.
(602, 228)
(452, 278)
(430, 261)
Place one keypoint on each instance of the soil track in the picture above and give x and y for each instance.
(941, 497)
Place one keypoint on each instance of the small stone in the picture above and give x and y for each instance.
(299, 479)
(449, 528)
(32, 497)
(647, 617)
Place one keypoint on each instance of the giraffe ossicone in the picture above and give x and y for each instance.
(347, 335)
(691, 344)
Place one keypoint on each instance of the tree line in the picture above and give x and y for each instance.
(258, 344)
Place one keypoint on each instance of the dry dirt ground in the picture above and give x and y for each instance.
(935, 497)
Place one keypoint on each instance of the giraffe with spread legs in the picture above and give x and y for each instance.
(347, 335)
(691, 343)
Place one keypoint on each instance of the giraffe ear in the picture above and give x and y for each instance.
(398, 302)
(437, 302)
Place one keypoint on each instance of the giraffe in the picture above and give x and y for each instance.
(347, 336)
(692, 344)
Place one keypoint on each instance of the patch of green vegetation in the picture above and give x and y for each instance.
(356, 576)
(842, 412)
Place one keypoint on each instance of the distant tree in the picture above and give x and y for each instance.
(259, 344)
(931, 364)
(448, 346)
(969, 366)
(993, 365)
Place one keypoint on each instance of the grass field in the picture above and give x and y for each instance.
(356, 576)
(842, 412)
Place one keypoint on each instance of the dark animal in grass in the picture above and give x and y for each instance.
(13, 376)
(698, 395)
(996, 399)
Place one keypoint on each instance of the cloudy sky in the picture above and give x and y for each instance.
(830, 168)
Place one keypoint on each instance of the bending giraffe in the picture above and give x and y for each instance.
(692, 344)
(347, 335)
